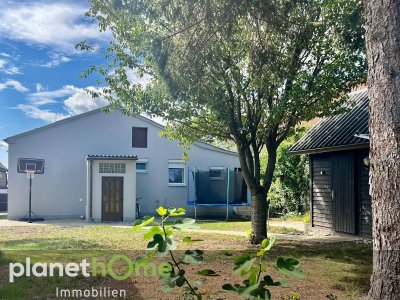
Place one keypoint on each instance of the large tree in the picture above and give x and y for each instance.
(383, 53)
(245, 71)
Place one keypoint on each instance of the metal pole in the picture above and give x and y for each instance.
(227, 195)
(30, 198)
(195, 193)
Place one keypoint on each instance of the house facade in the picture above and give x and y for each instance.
(97, 164)
(3, 188)
(338, 149)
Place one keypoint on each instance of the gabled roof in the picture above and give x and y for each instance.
(3, 168)
(340, 132)
(143, 118)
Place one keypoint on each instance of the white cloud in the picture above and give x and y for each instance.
(39, 87)
(3, 145)
(8, 68)
(134, 78)
(42, 114)
(56, 60)
(5, 54)
(13, 84)
(75, 101)
(43, 97)
(55, 24)
(81, 102)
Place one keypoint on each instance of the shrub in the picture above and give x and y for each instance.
(307, 217)
(162, 244)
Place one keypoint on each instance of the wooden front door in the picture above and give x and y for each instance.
(343, 196)
(112, 198)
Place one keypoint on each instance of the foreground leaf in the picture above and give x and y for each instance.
(289, 267)
(141, 223)
(188, 239)
(207, 272)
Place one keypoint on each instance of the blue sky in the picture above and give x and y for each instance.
(39, 66)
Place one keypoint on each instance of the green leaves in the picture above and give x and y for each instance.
(158, 243)
(193, 257)
(188, 239)
(185, 224)
(141, 223)
(153, 231)
(289, 267)
(207, 272)
(256, 285)
(163, 243)
(161, 211)
(266, 245)
(176, 212)
(244, 264)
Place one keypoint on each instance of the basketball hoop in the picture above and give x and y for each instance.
(30, 166)
(30, 174)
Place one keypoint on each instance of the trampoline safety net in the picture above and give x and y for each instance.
(211, 187)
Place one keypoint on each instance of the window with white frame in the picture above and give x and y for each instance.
(111, 168)
(142, 165)
(176, 173)
(216, 173)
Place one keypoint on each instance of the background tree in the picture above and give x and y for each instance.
(289, 192)
(383, 52)
(246, 71)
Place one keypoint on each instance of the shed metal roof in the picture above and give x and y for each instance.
(111, 157)
(338, 132)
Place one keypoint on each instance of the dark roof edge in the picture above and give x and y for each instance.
(330, 149)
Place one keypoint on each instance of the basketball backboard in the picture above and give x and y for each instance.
(31, 164)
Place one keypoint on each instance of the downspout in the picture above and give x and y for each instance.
(90, 190)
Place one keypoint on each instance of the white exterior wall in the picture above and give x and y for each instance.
(129, 186)
(61, 191)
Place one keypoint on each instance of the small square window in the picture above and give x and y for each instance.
(141, 166)
(216, 173)
(139, 137)
(111, 168)
(176, 173)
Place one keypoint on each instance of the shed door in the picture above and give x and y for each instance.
(112, 198)
(343, 192)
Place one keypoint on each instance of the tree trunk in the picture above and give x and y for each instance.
(258, 208)
(383, 53)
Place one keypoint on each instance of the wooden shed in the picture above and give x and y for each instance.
(338, 148)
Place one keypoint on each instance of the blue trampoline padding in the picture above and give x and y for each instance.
(191, 203)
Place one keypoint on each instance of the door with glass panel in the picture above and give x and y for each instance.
(112, 198)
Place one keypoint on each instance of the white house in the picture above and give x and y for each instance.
(97, 164)
(3, 188)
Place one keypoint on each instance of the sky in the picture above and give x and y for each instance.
(39, 66)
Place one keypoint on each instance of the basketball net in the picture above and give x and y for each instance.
(30, 174)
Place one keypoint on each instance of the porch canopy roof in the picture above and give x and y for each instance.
(341, 132)
(111, 157)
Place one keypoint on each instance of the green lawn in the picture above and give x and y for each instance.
(243, 226)
(341, 269)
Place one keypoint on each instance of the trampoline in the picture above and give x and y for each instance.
(218, 187)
